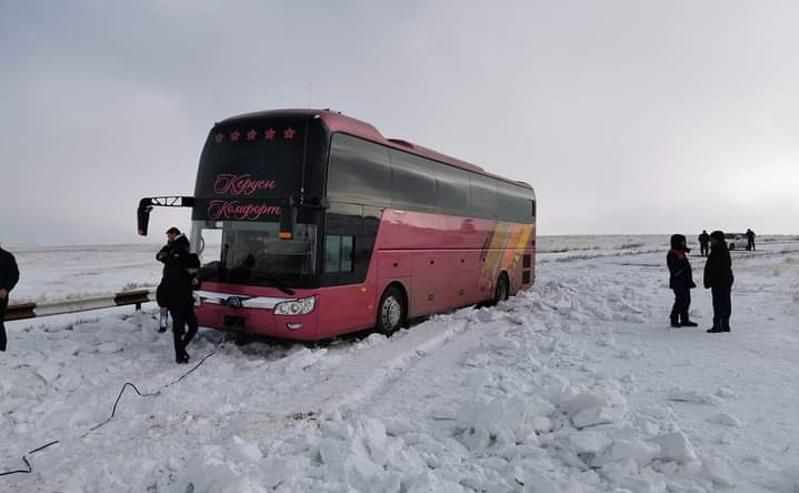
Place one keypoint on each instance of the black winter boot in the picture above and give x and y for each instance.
(725, 324)
(675, 321)
(716, 326)
(686, 322)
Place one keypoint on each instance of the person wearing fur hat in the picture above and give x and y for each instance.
(719, 279)
(681, 281)
(172, 256)
(9, 276)
(179, 289)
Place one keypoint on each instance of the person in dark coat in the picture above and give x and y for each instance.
(750, 240)
(179, 288)
(172, 255)
(719, 279)
(681, 281)
(9, 277)
(704, 243)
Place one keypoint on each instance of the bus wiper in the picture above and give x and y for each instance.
(276, 282)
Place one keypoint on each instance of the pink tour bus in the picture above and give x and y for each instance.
(311, 224)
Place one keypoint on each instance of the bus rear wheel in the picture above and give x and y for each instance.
(502, 291)
(392, 311)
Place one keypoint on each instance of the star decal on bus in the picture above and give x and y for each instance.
(252, 134)
(219, 138)
(234, 136)
(288, 134)
(270, 134)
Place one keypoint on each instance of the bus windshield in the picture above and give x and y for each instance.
(252, 253)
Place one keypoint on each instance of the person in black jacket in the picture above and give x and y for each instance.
(681, 281)
(719, 279)
(172, 255)
(179, 287)
(9, 276)
(704, 243)
(750, 240)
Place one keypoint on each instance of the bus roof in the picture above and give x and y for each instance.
(337, 122)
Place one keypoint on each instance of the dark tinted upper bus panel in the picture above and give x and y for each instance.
(358, 172)
(363, 172)
(257, 163)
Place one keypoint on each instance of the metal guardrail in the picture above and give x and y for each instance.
(21, 311)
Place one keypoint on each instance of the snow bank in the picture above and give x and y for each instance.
(576, 386)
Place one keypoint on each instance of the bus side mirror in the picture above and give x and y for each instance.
(143, 216)
(288, 218)
(147, 203)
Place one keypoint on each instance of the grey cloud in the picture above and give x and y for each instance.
(626, 116)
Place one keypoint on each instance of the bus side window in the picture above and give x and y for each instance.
(413, 182)
(338, 253)
(358, 172)
(483, 197)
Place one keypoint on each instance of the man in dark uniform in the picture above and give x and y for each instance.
(172, 255)
(681, 281)
(179, 288)
(704, 243)
(750, 240)
(719, 279)
(9, 276)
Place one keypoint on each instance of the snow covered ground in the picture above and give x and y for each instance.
(575, 386)
(77, 272)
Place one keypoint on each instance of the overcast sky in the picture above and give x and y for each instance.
(626, 116)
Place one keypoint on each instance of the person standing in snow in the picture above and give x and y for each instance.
(719, 279)
(750, 240)
(681, 281)
(9, 276)
(172, 255)
(704, 243)
(179, 288)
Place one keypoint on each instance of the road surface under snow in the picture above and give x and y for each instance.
(577, 385)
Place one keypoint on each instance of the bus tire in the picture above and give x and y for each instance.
(392, 311)
(502, 291)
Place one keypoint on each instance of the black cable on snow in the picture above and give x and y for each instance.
(116, 403)
(27, 463)
(149, 394)
(29, 468)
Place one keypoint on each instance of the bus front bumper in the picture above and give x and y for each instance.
(257, 321)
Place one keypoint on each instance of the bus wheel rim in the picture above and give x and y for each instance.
(391, 312)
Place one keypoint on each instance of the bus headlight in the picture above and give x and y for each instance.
(302, 306)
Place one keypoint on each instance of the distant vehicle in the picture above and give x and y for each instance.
(311, 224)
(735, 239)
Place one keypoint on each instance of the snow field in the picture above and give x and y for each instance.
(575, 386)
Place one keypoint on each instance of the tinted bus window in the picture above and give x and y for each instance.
(338, 253)
(358, 172)
(514, 204)
(483, 196)
(452, 191)
(413, 182)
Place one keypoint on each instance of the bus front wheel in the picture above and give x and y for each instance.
(392, 311)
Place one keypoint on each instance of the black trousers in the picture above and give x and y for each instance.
(722, 302)
(160, 295)
(682, 302)
(182, 317)
(704, 249)
(3, 340)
